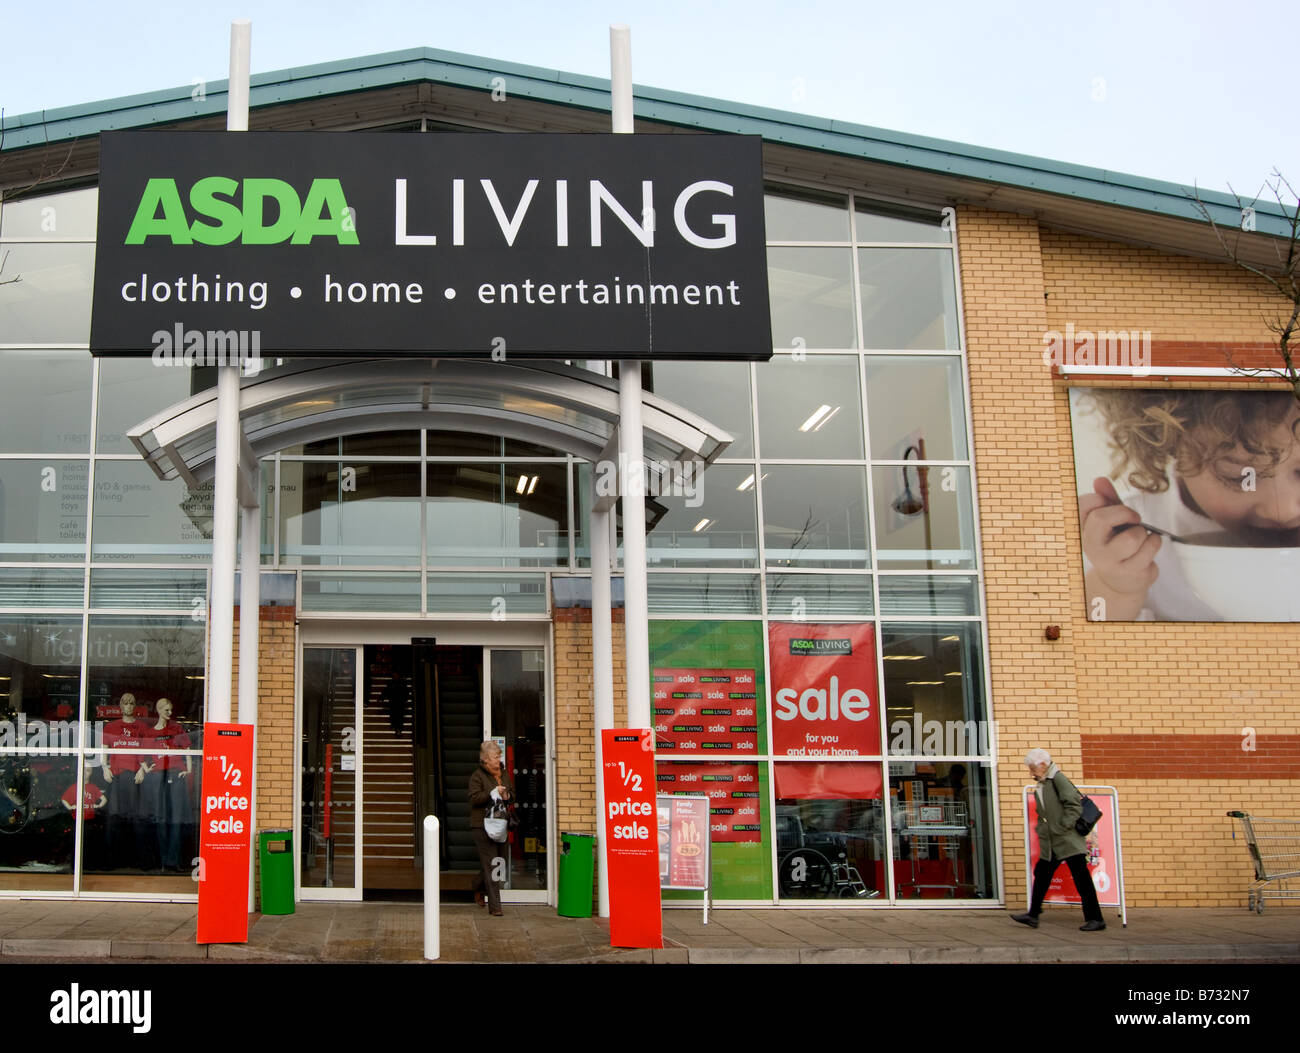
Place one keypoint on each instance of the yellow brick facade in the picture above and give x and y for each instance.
(1020, 280)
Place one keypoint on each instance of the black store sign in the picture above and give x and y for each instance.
(471, 245)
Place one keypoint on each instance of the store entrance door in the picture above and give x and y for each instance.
(330, 777)
(428, 708)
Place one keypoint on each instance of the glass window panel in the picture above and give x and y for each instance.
(882, 223)
(175, 590)
(38, 797)
(797, 596)
(717, 391)
(41, 587)
(461, 444)
(518, 682)
(924, 519)
(149, 657)
(45, 401)
(929, 594)
(811, 295)
(934, 690)
(267, 472)
(508, 515)
(69, 214)
(908, 299)
(943, 830)
(830, 831)
(349, 512)
(713, 522)
(130, 391)
(43, 510)
(501, 597)
(815, 515)
(135, 664)
(360, 592)
(915, 408)
(810, 407)
(739, 823)
(139, 517)
(51, 302)
(382, 444)
(702, 594)
(40, 680)
(798, 215)
(722, 663)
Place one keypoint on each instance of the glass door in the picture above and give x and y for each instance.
(329, 774)
(515, 684)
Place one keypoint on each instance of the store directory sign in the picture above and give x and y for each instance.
(469, 245)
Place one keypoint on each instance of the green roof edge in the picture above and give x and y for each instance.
(346, 76)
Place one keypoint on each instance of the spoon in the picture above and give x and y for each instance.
(1152, 530)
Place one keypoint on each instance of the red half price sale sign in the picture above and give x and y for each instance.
(631, 838)
(225, 825)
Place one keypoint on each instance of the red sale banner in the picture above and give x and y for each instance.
(225, 822)
(631, 837)
(825, 702)
(1102, 849)
(732, 790)
(709, 710)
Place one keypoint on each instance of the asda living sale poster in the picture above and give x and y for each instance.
(825, 700)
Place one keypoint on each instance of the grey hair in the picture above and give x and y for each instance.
(485, 746)
(1038, 756)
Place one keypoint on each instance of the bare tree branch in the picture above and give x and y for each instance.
(1283, 278)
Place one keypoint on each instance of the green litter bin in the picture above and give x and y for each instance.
(275, 855)
(577, 867)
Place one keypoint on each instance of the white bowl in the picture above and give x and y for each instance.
(1244, 584)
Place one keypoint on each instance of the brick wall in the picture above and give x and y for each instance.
(575, 741)
(1156, 709)
(275, 719)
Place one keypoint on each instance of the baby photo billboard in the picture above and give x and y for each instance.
(1189, 503)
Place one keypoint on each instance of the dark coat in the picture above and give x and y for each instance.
(1059, 805)
(481, 784)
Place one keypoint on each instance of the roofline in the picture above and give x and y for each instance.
(843, 138)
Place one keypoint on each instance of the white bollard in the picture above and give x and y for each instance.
(431, 888)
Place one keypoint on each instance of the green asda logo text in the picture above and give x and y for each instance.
(227, 210)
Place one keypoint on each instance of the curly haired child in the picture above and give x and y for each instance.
(1222, 464)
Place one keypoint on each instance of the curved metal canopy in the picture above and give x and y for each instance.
(569, 409)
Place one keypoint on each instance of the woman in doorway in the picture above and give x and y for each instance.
(487, 785)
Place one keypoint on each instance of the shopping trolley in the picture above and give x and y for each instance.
(1274, 847)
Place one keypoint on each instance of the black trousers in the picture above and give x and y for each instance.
(1046, 868)
(489, 852)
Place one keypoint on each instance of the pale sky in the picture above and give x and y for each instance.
(1183, 92)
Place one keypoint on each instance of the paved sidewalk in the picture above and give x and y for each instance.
(394, 932)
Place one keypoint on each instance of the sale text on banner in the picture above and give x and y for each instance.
(1103, 851)
(825, 702)
(732, 790)
(631, 837)
(706, 710)
(683, 842)
(225, 824)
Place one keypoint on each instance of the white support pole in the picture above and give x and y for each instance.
(636, 617)
(249, 616)
(602, 682)
(432, 903)
(225, 506)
